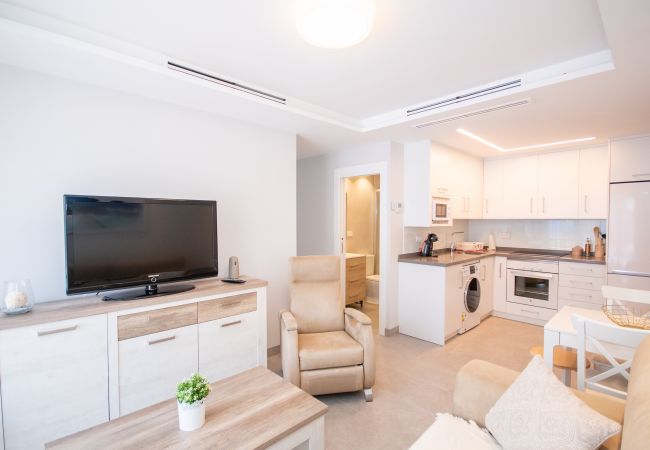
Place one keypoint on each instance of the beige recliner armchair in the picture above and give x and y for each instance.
(326, 348)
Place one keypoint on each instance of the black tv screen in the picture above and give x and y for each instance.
(117, 242)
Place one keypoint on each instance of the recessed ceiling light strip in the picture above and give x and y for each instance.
(527, 147)
(551, 144)
(474, 113)
(226, 83)
(465, 97)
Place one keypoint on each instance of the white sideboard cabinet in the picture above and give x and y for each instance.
(73, 364)
(54, 380)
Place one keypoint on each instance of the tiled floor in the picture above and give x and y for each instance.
(415, 380)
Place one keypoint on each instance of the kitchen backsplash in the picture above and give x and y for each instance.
(541, 234)
(413, 236)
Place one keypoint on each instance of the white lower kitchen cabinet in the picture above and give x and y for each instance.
(430, 301)
(151, 365)
(228, 346)
(54, 380)
(486, 278)
(499, 290)
(580, 285)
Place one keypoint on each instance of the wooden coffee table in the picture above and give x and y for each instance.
(252, 410)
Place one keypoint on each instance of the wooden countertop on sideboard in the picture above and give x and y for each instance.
(73, 308)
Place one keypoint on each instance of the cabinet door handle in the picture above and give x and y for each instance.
(58, 330)
(543, 205)
(486, 206)
(641, 174)
(229, 324)
(442, 189)
(531, 205)
(586, 204)
(500, 266)
(165, 339)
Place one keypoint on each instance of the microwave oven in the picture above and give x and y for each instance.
(441, 211)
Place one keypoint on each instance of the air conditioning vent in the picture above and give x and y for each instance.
(477, 112)
(464, 97)
(226, 83)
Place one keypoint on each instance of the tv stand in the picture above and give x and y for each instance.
(151, 290)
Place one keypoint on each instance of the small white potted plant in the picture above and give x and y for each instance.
(191, 394)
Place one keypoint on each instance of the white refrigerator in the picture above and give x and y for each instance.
(628, 235)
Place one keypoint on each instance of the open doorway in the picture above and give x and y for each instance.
(362, 230)
(361, 236)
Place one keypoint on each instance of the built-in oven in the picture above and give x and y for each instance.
(532, 282)
(440, 211)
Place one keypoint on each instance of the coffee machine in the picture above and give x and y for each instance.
(427, 245)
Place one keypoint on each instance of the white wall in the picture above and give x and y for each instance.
(413, 236)
(540, 234)
(59, 137)
(316, 207)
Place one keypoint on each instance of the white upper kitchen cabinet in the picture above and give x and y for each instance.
(594, 183)
(432, 170)
(558, 185)
(520, 177)
(493, 189)
(630, 160)
(466, 186)
(417, 184)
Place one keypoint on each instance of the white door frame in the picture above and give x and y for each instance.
(340, 174)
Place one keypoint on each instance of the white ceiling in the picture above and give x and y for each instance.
(419, 50)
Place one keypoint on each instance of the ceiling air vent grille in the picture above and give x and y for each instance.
(477, 112)
(465, 97)
(226, 83)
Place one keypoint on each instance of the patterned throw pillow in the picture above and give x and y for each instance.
(539, 412)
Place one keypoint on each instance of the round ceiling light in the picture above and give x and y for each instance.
(335, 23)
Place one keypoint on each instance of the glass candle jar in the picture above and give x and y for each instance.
(17, 297)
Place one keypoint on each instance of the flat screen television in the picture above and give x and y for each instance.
(119, 242)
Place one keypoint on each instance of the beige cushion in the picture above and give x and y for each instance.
(315, 293)
(636, 428)
(453, 433)
(327, 350)
(538, 411)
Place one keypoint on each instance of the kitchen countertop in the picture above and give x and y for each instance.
(445, 258)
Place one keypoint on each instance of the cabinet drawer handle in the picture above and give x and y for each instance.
(580, 282)
(229, 324)
(641, 174)
(165, 339)
(530, 312)
(58, 330)
(580, 295)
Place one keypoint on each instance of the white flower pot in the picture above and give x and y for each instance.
(191, 417)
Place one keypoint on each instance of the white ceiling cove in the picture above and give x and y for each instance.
(419, 50)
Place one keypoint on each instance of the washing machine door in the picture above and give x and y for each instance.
(472, 295)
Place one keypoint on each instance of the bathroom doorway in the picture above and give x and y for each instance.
(360, 235)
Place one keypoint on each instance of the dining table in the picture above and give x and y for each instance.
(559, 331)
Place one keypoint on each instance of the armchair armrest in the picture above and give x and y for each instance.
(359, 326)
(358, 316)
(289, 347)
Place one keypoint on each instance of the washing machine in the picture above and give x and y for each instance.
(470, 315)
